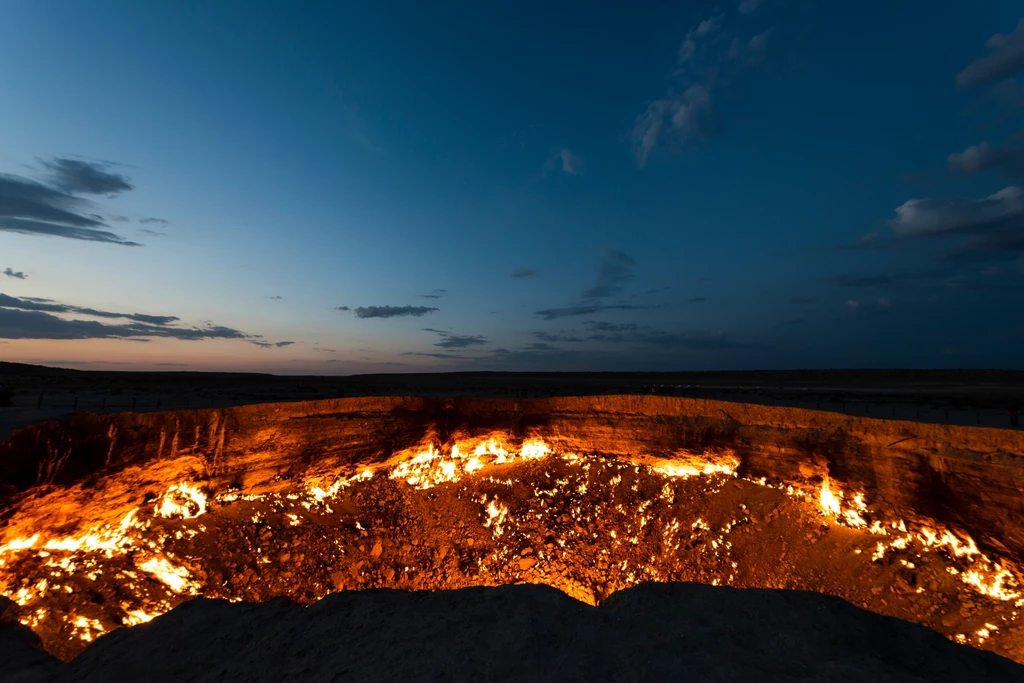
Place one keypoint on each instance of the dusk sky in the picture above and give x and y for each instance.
(337, 188)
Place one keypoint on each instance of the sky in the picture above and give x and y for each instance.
(344, 188)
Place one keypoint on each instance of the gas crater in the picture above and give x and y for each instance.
(110, 521)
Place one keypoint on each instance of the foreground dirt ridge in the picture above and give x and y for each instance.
(518, 633)
(972, 478)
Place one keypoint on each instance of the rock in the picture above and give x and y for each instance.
(526, 551)
(377, 549)
(526, 562)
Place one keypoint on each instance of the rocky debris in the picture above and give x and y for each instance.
(653, 632)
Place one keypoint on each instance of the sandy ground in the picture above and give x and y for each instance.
(654, 632)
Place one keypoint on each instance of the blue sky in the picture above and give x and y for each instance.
(773, 183)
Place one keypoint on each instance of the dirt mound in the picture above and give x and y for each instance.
(530, 633)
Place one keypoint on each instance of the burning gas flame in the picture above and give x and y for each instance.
(182, 500)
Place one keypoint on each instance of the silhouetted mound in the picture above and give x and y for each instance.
(679, 632)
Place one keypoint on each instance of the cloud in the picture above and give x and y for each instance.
(269, 345)
(859, 307)
(521, 273)
(16, 274)
(615, 270)
(563, 158)
(801, 300)
(390, 311)
(450, 340)
(860, 280)
(49, 306)
(342, 308)
(649, 337)
(155, 221)
(34, 324)
(276, 297)
(698, 299)
(444, 356)
(321, 349)
(559, 337)
(85, 177)
(790, 322)
(991, 224)
(571, 311)
(980, 157)
(434, 294)
(1005, 58)
(682, 116)
(31, 208)
(712, 58)
(600, 326)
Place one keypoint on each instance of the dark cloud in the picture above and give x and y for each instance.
(520, 273)
(16, 274)
(538, 346)
(444, 356)
(174, 365)
(342, 308)
(450, 340)
(988, 228)
(1005, 58)
(981, 157)
(892, 278)
(559, 337)
(600, 326)
(85, 177)
(32, 208)
(35, 324)
(49, 306)
(152, 233)
(435, 294)
(584, 309)
(614, 271)
(649, 337)
(321, 349)
(390, 311)
(270, 345)
(276, 297)
(154, 221)
(698, 299)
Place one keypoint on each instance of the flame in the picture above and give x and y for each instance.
(428, 468)
(174, 577)
(182, 500)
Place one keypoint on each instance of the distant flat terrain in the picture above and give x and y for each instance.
(964, 397)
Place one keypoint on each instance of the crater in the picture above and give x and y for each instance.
(109, 521)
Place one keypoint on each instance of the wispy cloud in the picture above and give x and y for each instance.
(558, 337)
(1005, 58)
(712, 55)
(565, 160)
(983, 156)
(450, 340)
(27, 318)
(77, 176)
(698, 299)
(443, 356)
(521, 273)
(16, 274)
(614, 271)
(155, 221)
(33, 208)
(390, 311)
(435, 294)
(271, 345)
(583, 309)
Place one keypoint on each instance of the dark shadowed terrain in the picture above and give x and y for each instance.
(654, 632)
(964, 397)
